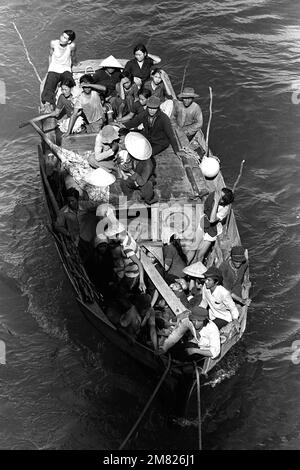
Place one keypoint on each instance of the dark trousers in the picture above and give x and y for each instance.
(220, 322)
(146, 191)
(52, 80)
(157, 148)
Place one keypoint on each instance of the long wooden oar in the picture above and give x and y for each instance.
(233, 190)
(209, 120)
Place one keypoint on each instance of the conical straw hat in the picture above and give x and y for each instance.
(195, 270)
(138, 146)
(155, 251)
(111, 62)
(100, 177)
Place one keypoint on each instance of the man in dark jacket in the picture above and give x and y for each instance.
(157, 127)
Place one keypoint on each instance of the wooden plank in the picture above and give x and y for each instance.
(172, 300)
(79, 142)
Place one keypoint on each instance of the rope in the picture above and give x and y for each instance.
(198, 406)
(184, 72)
(209, 121)
(26, 52)
(136, 424)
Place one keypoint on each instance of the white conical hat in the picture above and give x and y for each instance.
(195, 270)
(100, 177)
(156, 251)
(111, 62)
(138, 146)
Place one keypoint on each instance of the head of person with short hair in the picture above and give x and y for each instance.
(213, 278)
(66, 87)
(85, 80)
(140, 52)
(156, 76)
(72, 196)
(143, 95)
(127, 80)
(67, 37)
(227, 197)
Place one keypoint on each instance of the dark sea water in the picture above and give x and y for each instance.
(60, 387)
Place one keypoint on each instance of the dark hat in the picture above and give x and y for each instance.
(214, 273)
(238, 253)
(153, 102)
(198, 313)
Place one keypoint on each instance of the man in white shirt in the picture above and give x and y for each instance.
(205, 336)
(217, 299)
(62, 57)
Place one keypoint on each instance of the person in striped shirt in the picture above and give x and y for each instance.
(131, 253)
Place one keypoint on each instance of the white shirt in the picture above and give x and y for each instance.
(210, 338)
(61, 57)
(220, 304)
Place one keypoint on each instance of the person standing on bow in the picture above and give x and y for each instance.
(157, 127)
(62, 57)
(140, 66)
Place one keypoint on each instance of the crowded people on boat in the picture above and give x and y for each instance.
(140, 67)
(108, 75)
(216, 209)
(221, 307)
(157, 127)
(138, 107)
(62, 57)
(106, 148)
(174, 258)
(204, 336)
(233, 270)
(88, 103)
(139, 169)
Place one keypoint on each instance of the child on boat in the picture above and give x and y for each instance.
(62, 57)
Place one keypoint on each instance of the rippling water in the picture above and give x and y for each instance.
(60, 388)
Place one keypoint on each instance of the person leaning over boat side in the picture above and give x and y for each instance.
(62, 57)
(216, 209)
(90, 104)
(134, 273)
(188, 116)
(156, 127)
(205, 336)
(138, 107)
(140, 174)
(140, 66)
(217, 299)
(233, 270)
(106, 147)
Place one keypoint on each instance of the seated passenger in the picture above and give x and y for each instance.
(134, 271)
(233, 270)
(204, 336)
(174, 258)
(140, 66)
(158, 86)
(127, 94)
(90, 104)
(106, 147)
(108, 75)
(141, 174)
(216, 209)
(139, 106)
(156, 127)
(217, 299)
(62, 57)
(195, 274)
(187, 113)
(77, 221)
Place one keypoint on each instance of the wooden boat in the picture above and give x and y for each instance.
(179, 184)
